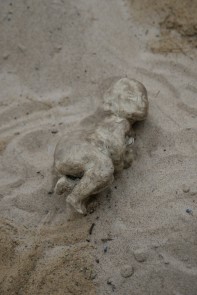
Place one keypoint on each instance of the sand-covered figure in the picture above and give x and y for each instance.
(86, 161)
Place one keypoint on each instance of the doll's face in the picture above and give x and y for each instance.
(128, 99)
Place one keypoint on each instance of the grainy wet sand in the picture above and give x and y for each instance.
(57, 58)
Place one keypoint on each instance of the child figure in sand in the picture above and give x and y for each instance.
(86, 162)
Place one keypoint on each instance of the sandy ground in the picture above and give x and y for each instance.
(57, 57)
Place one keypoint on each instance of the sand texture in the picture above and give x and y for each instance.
(57, 58)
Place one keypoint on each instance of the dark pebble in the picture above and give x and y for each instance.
(105, 248)
(91, 228)
(189, 211)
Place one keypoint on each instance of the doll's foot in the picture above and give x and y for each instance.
(78, 206)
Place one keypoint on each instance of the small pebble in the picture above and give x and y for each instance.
(5, 56)
(166, 261)
(93, 275)
(54, 131)
(105, 248)
(193, 191)
(111, 283)
(58, 48)
(189, 211)
(127, 271)
(186, 189)
(140, 255)
(21, 47)
(165, 258)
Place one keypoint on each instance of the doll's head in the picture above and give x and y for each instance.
(127, 98)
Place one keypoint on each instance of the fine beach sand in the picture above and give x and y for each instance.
(57, 58)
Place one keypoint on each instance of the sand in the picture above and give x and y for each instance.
(57, 57)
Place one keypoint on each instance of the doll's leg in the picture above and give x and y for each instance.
(64, 185)
(97, 176)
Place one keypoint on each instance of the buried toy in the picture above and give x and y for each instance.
(85, 162)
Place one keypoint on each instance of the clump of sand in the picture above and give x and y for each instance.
(51, 261)
(176, 21)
